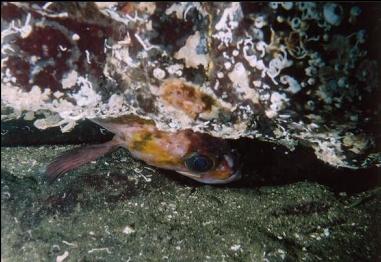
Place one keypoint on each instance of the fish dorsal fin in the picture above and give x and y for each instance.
(119, 124)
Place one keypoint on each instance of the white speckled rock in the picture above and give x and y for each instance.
(287, 73)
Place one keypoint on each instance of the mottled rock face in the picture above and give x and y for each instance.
(287, 73)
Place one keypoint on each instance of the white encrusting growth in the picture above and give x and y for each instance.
(181, 9)
(277, 64)
(240, 80)
(104, 5)
(88, 56)
(227, 23)
(278, 102)
(70, 80)
(75, 37)
(293, 85)
(107, 46)
(159, 73)
(24, 30)
(175, 69)
(227, 65)
(24, 101)
(178, 9)
(86, 96)
(63, 49)
(190, 54)
(145, 46)
(333, 13)
(45, 6)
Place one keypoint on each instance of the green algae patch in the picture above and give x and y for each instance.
(118, 209)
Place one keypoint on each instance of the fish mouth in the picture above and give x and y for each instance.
(212, 181)
(236, 176)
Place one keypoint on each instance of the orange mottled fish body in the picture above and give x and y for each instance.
(199, 156)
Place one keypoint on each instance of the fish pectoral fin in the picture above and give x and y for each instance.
(77, 157)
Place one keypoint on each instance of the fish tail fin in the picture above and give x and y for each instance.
(77, 157)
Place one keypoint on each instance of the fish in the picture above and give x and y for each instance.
(199, 156)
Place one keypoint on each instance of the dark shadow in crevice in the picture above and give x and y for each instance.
(266, 164)
(24, 133)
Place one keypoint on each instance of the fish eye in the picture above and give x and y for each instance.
(199, 163)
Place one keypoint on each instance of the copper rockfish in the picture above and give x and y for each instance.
(198, 156)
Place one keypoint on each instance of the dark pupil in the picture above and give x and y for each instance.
(199, 163)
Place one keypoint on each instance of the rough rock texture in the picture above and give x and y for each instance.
(287, 73)
(118, 209)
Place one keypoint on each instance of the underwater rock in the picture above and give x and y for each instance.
(289, 73)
